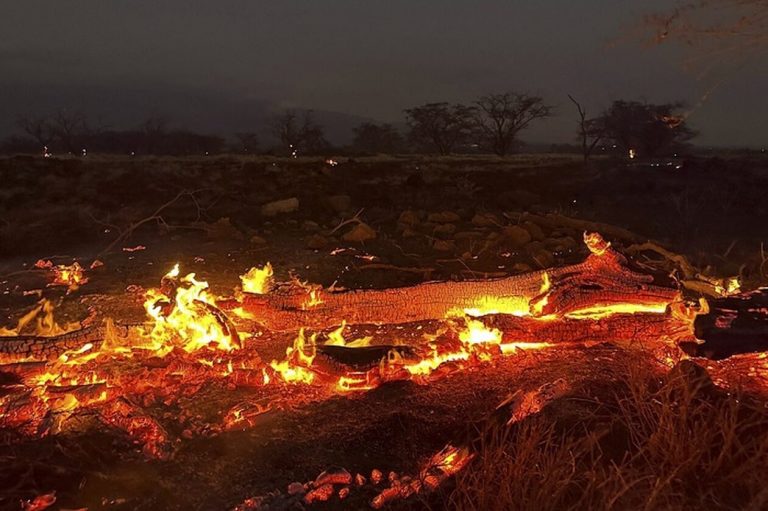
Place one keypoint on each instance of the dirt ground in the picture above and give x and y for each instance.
(429, 219)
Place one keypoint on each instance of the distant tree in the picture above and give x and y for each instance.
(440, 127)
(153, 132)
(647, 129)
(70, 129)
(377, 138)
(247, 142)
(298, 134)
(500, 117)
(39, 129)
(591, 131)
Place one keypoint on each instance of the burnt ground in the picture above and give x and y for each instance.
(712, 210)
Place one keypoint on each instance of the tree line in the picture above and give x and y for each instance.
(490, 124)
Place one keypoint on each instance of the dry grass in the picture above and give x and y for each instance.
(677, 444)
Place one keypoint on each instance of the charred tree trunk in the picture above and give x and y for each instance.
(735, 324)
(602, 281)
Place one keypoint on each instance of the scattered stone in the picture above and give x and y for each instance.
(540, 255)
(444, 217)
(444, 229)
(360, 233)
(409, 218)
(468, 235)
(334, 476)
(319, 494)
(536, 232)
(296, 488)
(280, 207)
(317, 242)
(339, 203)
(522, 267)
(410, 233)
(222, 229)
(485, 220)
(257, 240)
(444, 245)
(310, 226)
(517, 236)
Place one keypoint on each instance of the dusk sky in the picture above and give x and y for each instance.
(370, 58)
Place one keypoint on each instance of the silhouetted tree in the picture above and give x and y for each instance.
(591, 131)
(40, 129)
(377, 138)
(440, 127)
(298, 134)
(247, 142)
(153, 131)
(500, 117)
(645, 128)
(70, 129)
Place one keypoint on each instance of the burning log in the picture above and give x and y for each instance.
(41, 347)
(602, 284)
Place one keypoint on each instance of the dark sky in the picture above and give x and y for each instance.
(369, 58)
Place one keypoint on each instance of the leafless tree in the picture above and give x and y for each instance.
(38, 128)
(501, 117)
(440, 127)
(591, 131)
(70, 127)
(298, 133)
(247, 142)
(153, 131)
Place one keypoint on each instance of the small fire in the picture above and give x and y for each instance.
(596, 244)
(258, 280)
(295, 367)
(188, 314)
(39, 321)
(72, 276)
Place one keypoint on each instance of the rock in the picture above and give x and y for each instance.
(444, 245)
(317, 242)
(444, 217)
(334, 476)
(485, 220)
(517, 236)
(360, 233)
(222, 229)
(521, 267)
(536, 232)
(409, 233)
(444, 229)
(310, 226)
(540, 254)
(257, 240)
(280, 207)
(408, 218)
(468, 235)
(339, 203)
(296, 488)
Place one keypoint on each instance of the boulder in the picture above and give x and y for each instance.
(517, 236)
(278, 207)
(360, 233)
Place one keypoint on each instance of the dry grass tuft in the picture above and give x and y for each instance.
(675, 444)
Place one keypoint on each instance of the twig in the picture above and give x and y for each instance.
(154, 217)
(354, 219)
